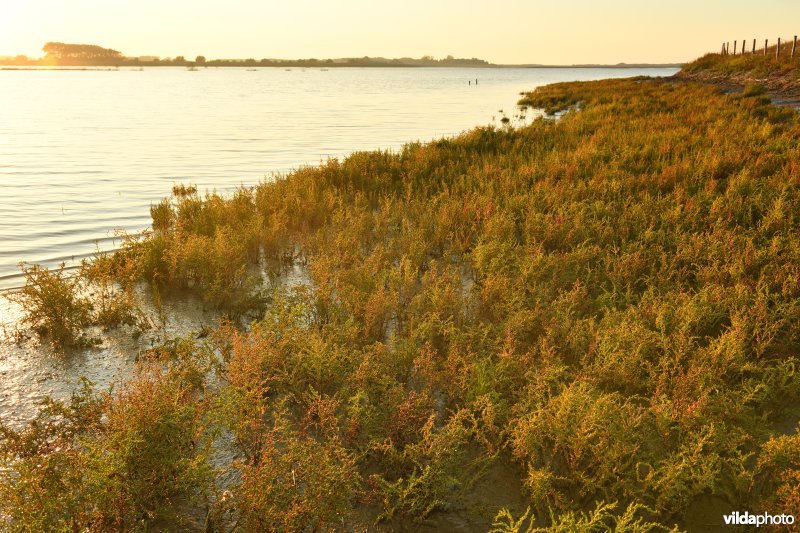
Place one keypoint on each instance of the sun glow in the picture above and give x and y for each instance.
(505, 31)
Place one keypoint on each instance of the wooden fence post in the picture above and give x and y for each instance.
(778, 49)
(794, 46)
(754, 47)
(734, 47)
(766, 41)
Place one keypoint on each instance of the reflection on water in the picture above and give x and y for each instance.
(85, 152)
(32, 371)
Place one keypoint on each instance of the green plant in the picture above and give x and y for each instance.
(601, 519)
(300, 479)
(53, 305)
(111, 461)
(754, 90)
(608, 302)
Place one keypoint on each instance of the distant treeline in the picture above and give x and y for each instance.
(85, 55)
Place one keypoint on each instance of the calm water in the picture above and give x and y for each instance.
(85, 152)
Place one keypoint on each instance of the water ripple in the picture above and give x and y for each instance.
(84, 153)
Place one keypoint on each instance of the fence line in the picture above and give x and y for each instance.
(742, 50)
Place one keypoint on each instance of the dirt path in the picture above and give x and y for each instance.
(782, 91)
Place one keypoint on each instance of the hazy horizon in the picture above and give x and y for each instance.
(505, 32)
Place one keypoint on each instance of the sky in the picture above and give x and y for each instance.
(500, 31)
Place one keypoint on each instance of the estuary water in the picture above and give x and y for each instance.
(84, 153)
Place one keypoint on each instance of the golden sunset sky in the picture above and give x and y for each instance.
(501, 31)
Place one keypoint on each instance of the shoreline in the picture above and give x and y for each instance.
(268, 160)
(12, 66)
(480, 305)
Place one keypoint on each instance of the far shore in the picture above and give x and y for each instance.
(11, 66)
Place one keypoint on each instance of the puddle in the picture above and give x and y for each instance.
(32, 370)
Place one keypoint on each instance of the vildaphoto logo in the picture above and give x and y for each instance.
(765, 519)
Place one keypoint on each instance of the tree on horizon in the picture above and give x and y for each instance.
(69, 51)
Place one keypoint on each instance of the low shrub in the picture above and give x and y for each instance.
(54, 306)
(111, 461)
